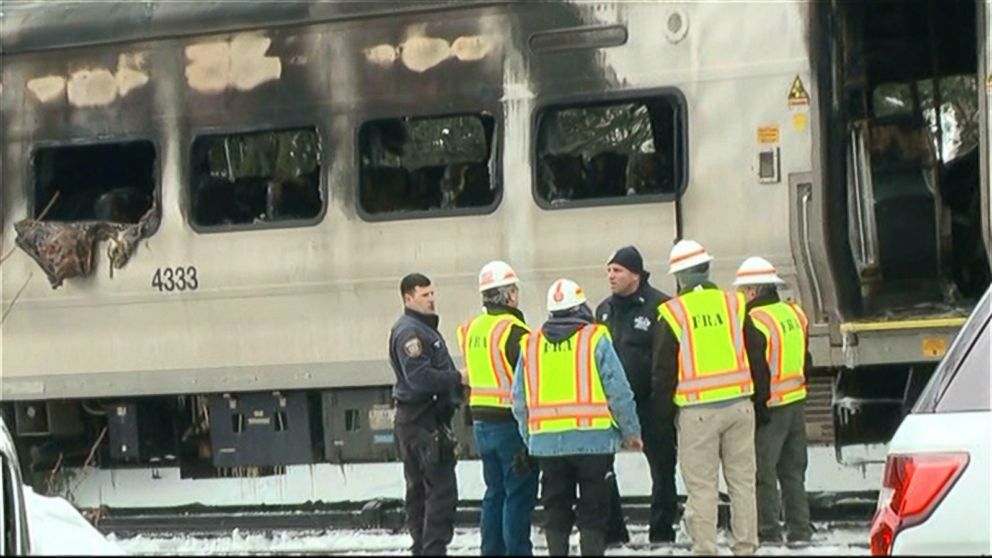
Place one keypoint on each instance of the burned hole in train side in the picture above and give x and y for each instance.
(427, 164)
(602, 151)
(903, 208)
(256, 178)
(112, 182)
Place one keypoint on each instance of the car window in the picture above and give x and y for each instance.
(965, 357)
(969, 389)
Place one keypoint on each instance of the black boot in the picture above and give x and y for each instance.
(592, 542)
(557, 542)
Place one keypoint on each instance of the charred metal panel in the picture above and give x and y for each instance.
(358, 425)
(44, 418)
(122, 423)
(41, 25)
(260, 429)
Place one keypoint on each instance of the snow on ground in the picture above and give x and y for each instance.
(466, 542)
(164, 487)
(57, 529)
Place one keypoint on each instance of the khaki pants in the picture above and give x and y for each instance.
(709, 437)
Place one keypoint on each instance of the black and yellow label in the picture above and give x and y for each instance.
(797, 93)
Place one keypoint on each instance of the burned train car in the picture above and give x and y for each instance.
(207, 207)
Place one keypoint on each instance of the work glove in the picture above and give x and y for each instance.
(761, 416)
(522, 462)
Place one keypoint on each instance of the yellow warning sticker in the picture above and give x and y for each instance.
(797, 93)
(768, 134)
(988, 82)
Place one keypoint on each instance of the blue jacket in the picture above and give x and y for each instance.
(619, 398)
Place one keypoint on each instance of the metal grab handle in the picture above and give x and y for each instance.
(817, 295)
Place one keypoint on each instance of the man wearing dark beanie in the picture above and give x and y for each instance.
(631, 314)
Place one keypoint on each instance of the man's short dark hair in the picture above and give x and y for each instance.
(412, 281)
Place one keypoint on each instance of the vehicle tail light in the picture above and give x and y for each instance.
(912, 487)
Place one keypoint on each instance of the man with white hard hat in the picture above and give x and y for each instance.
(782, 331)
(575, 410)
(702, 377)
(490, 343)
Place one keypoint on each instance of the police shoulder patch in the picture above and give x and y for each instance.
(413, 348)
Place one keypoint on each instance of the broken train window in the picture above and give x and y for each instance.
(607, 151)
(86, 194)
(112, 182)
(256, 178)
(427, 164)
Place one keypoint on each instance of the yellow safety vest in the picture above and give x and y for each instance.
(785, 328)
(562, 384)
(713, 363)
(483, 343)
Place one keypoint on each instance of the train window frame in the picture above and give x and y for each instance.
(495, 164)
(30, 172)
(678, 100)
(188, 176)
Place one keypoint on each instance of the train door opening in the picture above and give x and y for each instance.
(903, 160)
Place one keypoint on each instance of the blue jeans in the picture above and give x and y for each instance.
(510, 496)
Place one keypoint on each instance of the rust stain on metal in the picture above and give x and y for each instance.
(130, 73)
(381, 55)
(241, 63)
(47, 88)
(422, 53)
(91, 87)
(471, 48)
(250, 67)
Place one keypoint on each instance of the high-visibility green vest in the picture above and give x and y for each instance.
(785, 328)
(483, 343)
(562, 384)
(713, 363)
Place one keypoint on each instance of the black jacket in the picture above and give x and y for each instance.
(665, 348)
(632, 321)
(426, 378)
(512, 351)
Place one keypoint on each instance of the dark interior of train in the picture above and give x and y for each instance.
(612, 150)
(112, 182)
(427, 163)
(256, 178)
(904, 139)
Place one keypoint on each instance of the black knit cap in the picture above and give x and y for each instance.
(628, 257)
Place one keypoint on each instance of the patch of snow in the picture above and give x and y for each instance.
(465, 542)
(57, 529)
(162, 487)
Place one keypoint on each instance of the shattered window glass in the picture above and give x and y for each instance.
(958, 114)
(610, 151)
(892, 99)
(427, 164)
(112, 182)
(256, 178)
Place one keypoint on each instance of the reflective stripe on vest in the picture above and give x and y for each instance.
(784, 326)
(713, 363)
(562, 384)
(483, 344)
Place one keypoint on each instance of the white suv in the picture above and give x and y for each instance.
(13, 515)
(935, 489)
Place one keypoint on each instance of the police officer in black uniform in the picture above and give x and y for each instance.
(428, 391)
(631, 313)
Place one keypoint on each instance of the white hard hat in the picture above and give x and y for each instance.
(686, 254)
(565, 294)
(496, 274)
(757, 271)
